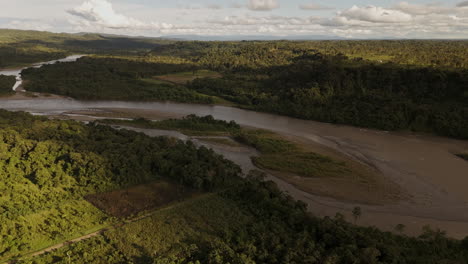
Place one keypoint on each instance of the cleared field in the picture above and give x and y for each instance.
(184, 77)
(130, 201)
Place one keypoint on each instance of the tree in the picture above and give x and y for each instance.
(400, 228)
(357, 212)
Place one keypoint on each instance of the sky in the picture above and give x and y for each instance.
(349, 19)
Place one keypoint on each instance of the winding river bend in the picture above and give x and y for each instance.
(424, 166)
(17, 72)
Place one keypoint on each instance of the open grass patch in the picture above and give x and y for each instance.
(306, 164)
(282, 155)
(264, 141)
(130, 201)
(185, 77)
(45, 228)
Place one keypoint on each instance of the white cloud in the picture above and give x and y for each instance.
(279, 21)
(313, 6)
(426, 9)
(101, 14)
(262, 5)
(375, 14)
(405, 19)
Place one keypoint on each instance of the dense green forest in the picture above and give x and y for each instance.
(48, 167)
(112, 79)
(6, 83)
(433, 53)
(278, 77)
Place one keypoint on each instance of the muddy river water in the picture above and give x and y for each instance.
(424, 166)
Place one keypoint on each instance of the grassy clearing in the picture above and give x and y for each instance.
(185, 77)
(49, 227)
(172, 231)
(180, 231)
(131, 201)
(282, 155)
(303, 164)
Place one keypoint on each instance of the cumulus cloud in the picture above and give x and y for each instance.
(279, 21)
(313, 6)
(416, 9)
(403, 20)
(101, 14)
(375, 14)
(262, 5)
(406, 19)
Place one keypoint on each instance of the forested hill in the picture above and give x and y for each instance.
(18, 47)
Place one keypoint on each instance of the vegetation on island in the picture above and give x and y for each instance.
(276, 153)
(6, 85)
(189, 125)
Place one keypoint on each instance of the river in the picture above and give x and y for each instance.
(17, 72)
(424, 166)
